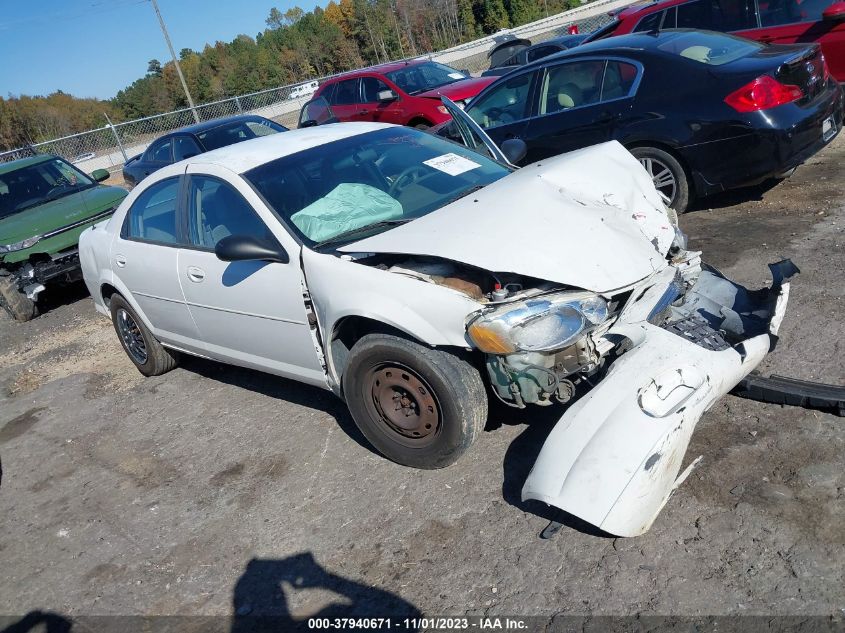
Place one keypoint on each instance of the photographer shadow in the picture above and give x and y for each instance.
(261, 599)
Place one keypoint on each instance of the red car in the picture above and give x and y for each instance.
(767, 21)
(405, 93)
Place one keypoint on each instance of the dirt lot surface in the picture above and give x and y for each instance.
(215, 490)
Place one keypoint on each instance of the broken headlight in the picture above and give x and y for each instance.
(19, 246)
(537, 325)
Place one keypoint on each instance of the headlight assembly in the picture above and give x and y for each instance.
(19, 246)
(536, 325)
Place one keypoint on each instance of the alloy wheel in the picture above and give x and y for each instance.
(133, 339)
(661, 175)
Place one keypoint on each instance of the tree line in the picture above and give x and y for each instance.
(295, 45)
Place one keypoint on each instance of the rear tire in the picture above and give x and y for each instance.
(668, 175)
(17, 304)
(418, 406)
(422, 125)
(146, 353)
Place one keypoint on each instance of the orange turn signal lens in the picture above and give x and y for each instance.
(488, 340)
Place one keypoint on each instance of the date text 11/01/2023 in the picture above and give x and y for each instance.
(419, 624)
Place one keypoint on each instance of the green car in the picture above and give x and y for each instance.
(45, 203)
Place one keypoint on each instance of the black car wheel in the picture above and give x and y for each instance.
(418, 406)
(668, 175)
(16, 303)
(146, 353)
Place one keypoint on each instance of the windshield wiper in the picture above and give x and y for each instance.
(348, 235)
(464, 194)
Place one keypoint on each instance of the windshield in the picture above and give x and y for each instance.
(232, 133)
(36, 184)
(713, 49)
(421, 77)
(355, 187)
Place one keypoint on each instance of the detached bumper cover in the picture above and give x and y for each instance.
(613, 459)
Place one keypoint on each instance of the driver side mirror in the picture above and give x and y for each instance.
(238, 248)
(834, 13)
(384, 96)
(514, 150)
(99, 175)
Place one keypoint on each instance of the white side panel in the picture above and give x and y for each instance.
(434, 315)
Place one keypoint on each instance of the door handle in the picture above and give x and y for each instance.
(511, 136)
(363, 111)
(605, 117)
(196, 274)
(120, 260)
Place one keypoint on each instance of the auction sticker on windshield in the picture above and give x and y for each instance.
(451, 164)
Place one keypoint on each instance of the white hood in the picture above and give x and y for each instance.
(590, 219)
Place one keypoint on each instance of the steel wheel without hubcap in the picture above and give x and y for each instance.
(132, 337)
(662, 177)
(403, 403)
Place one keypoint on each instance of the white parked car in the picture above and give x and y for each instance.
(413, 276)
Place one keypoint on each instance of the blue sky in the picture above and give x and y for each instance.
(93, 48)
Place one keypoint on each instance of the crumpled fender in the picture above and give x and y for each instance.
(614, 457)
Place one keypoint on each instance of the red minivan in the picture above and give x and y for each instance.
(767, 21)
(405, 93)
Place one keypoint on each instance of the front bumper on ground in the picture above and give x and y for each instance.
(613, 459)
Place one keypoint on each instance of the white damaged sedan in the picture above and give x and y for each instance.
(413, 276)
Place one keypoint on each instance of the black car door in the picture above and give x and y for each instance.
(580, 103)
(503, 110)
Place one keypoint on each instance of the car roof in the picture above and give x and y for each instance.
(641, 7)
(243, 156)
(20, 163)
(196, 128)
(630, 43)
(379, 69)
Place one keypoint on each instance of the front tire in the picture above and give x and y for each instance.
(418, 406)
(668, 175)
(146, 353)
(17, 304)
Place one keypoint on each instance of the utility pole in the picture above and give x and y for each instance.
(175, 61)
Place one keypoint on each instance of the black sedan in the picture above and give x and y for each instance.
(703, 111)
(533, 53)
(196, 139)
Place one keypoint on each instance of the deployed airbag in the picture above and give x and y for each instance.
(347, 207)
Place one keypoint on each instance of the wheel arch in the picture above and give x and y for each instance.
(349, 329)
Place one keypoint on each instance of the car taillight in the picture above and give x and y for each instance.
(763, 93)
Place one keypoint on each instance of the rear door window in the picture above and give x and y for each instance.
(152, 218)
(571, 85)
(619, 80)
(346, 92)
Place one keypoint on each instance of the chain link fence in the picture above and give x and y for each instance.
(110, 146)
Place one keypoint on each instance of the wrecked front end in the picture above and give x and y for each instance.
(678, 341)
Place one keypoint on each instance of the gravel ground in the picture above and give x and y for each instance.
(214, 490)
